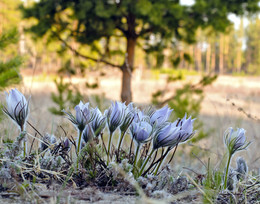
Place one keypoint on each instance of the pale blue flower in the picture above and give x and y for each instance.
(66, 145)
(17, 107)
(174, 133)
(235, 140)
(167, 136)
(141, 131)
(88, 133)
(98, 123)
(186, 125)
(83, 116)
(161, 116)
(129, 117)
(115, 115)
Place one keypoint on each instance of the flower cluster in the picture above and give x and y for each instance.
(144, 126)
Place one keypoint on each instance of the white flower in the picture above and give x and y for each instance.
(17, 107)
(83, 116)
(141, 131)
(161, 116)
(174, 133)
(98, 123)
(235, 140)
(115, 115)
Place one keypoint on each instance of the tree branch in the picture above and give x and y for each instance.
(85, 56)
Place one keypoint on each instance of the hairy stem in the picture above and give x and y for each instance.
(24, 142)
(78, 147)
(146, 161)
(120, 141)
(136, 154)
(109, 147)
(227, 168)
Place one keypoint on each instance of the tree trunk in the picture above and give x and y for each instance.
(127, 68)
(221, 54)
(213, 58)
(208, 52)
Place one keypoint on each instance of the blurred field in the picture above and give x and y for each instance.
(217, 112)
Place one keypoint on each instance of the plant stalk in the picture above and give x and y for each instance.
(78, 147)
(136, 154)
(229, 159)
(120, 141)
(109, 147)
(24, 142)
(146, 161)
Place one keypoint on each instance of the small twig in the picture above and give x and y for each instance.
(173, 153)
(101, 135)
(34, 128)
(240, 109)
(199, 160)
(32, 143)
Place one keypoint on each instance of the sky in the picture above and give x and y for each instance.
(235, 19)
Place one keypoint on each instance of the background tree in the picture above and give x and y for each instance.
(90, 21)
(252, 52)
(10, 61)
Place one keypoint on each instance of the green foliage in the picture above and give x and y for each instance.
(168, 21)
(187, 99)
(252, 53)
(9, 69)
(67, 96)
(213, 181)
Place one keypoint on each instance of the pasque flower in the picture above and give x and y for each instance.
(141, 131)
(161, 116)
(98, 123)
(115, 115)
(234, 141)
(17, 108)
(167, 136)
(174, 133)
(83, 115)
(88, 133)
(186, 125)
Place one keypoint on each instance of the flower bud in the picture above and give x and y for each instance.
(235, 140)
(83, 116)
(17, 107)
(141, 131)
(161, 116)
(115, 115)
(99, 122)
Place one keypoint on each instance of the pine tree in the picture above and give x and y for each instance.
(9, 68)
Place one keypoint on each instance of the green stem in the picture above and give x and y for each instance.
(78, 148)
(120, 141)
(136, 155)
(229, 159)
(146, 161)
(109, 147)
(24, 143)
(24, 148)
(157, 168)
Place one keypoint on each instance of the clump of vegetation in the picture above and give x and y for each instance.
(92, 159)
